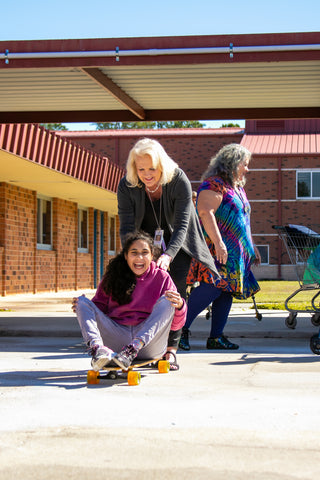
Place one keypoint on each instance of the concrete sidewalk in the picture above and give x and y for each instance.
(249, 413)
(50, 314)
(59, 302)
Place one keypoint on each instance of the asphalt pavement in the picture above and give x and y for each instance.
(250, 413)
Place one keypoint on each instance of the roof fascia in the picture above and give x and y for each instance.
(149, 43)
(153, 115)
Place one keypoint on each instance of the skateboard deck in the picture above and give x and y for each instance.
(133, 373)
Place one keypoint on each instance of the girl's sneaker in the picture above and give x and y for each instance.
(125, 357)
(101, 356)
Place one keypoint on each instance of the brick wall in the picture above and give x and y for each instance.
(192, 153)
(45, 271)
(65, 242)
(273, 199)
(271, 189)
(84, 275)
(27, 269)
(18, 238)
(2, 269)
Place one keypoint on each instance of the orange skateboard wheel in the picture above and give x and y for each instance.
(134, 377)
(164, 366)
(93, 377)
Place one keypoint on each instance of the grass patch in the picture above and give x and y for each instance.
(273, 294)
(270, 306)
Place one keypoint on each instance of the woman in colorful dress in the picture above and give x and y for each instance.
(224, 212)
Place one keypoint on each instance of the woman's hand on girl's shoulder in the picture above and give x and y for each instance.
(163, 261)
(174, 298)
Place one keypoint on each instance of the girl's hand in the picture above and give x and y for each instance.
(164, 261)
(75, 303)
(174, 298)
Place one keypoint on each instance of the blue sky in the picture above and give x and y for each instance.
(37, 19)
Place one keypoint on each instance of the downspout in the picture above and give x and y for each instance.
(101, 259)
(279, 216)
(230, 49)
(116, 151)
(95, 214)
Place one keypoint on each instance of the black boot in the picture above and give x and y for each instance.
(221, 343)
(184, 339)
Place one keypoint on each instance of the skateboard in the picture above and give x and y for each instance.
(133, 373)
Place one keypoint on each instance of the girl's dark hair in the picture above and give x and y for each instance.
(119, 280)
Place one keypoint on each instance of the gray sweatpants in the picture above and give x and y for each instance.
(98, 327)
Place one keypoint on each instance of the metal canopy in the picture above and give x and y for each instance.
(161, 78)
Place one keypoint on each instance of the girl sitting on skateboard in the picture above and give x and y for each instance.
(136, 310)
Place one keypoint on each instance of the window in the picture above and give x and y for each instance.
(264, 253)
(308, 184)
(44, 223)
(112, 236)
(83, 230)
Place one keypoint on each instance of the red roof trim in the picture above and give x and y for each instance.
(290, 144)
(46, 148)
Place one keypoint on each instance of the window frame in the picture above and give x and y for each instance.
(40, 229)
(310, 171)
(268, 253)
(80, 247)
(112, 235)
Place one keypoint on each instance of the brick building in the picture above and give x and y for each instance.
(285, 152)
(58, 206)
(58, 212)
(283, 185)
(191, 148)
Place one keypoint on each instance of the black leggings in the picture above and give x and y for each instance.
(179, 268)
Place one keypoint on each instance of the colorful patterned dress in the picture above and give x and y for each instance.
(233, 220)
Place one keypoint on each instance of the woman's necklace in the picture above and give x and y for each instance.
(153, 191)
(158, 222)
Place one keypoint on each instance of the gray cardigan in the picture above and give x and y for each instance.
(180, 214)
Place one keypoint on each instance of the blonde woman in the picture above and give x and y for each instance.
(156, 196)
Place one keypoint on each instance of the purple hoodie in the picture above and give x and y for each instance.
(149, 288)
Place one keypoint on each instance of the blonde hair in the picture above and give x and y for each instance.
(160, 159)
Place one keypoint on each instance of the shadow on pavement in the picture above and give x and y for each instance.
(249, 359)
(68, 380)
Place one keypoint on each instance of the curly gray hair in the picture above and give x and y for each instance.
(225, 164)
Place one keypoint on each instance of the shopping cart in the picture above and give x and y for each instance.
(303, 248)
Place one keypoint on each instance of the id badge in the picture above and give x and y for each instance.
(158, 239)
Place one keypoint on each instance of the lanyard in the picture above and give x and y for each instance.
(158, 222)
(158, 235)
